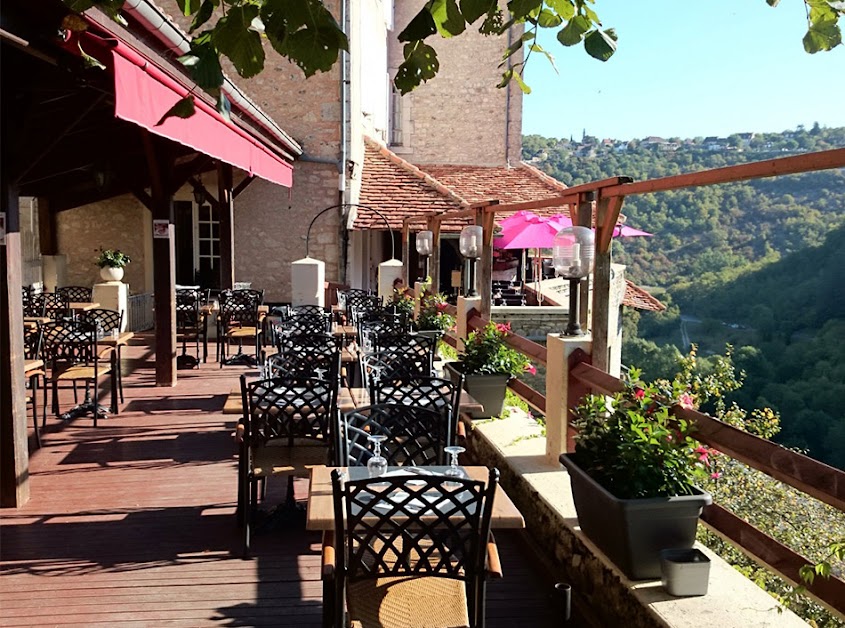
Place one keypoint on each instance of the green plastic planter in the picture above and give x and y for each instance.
(488, 390)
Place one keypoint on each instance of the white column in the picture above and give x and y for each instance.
(112, 295)
(559, 348)
(307, 280)
(465, 304)
(387, 272)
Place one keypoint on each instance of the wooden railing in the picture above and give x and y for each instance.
(809, 476)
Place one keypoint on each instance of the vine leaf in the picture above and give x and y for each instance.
(236, 38)
(420, 65)
(600, 44)
(184, 108)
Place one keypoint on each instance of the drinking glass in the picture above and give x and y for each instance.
(377, 465)
(454, 471)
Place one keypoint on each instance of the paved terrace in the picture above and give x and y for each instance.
(132, 524)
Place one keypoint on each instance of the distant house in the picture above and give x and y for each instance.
(745, 139)
(653, 141)
(715, 143)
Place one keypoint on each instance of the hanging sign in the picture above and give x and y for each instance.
(161, 228)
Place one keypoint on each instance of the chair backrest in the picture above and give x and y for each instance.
(241, 306)
(52, 305)
(306, 356)
(70, 341)
(75, 294)
(414, 525)
(418, 349)
(32, 339)
(31, 305)
(302, 326)
(288, 408)
(370, 330)
(428, 392)
(188, 303)
(307, 310)
(415, 435)
(108, 320)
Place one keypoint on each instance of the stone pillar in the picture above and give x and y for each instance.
(307, 279)
(559, 348)
(387, 272)
(465, 304)
(112, 295)
(53, 271)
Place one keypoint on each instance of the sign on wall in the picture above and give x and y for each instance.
(161, 228)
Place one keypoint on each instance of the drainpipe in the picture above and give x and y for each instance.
(344, 140)
(158, 25)
(508, 106)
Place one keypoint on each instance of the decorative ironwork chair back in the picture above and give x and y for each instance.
(241, 308)
(188, 303)
(107, 319)
(288, 408)
(305, 325)
(308, 310)
(369, 331)
(386, 366)
(32, 338)
(428, 392)
(419, 349)
(70, 342)
(415, 435)
(76, 294)
(31, 305)
(52, 305)
(414, 525)
(306, 356)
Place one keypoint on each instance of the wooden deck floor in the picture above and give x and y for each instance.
(132, 524)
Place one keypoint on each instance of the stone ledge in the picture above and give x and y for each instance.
(601, 592)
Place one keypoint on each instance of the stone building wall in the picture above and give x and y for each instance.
(460, 117)
(532, 322)
(117, 223)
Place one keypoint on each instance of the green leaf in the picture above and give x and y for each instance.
(420, 27)
(573, 32)
(203, 15)
(600, 44)
(79, 5)
(772, 3)
(520, 9)
(188, 7)
(547, 19)
(203, 63)
(518, 78)
(823, 35)
(474, 9)
(420, 64)
(234, 37)
(184, 108)
(88, 61)
(541, 50)
(564, 8)
(447, 17)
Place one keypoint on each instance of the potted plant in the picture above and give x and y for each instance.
(634, 473)
(433, 319)
(488, 364)
(111, 263)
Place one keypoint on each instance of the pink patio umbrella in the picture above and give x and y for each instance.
(525, 230)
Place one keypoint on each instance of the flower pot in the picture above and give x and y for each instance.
(430, 333)
(632, 532)
(685, 572)
(109, 273)
(488, 390)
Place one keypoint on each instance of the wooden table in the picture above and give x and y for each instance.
(82, 306)
(321, 507)
(36, 320)
(117, 342)
(30, 366)
(347, 331)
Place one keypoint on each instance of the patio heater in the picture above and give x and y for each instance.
(425, 247)
(574, 251)
(470, 245)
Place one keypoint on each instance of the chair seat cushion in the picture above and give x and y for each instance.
(242, 332)
(274, 459)
(82, 371)
(407, 602)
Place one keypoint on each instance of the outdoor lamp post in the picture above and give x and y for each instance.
(574, 251)
(425, 247)
(470, 245)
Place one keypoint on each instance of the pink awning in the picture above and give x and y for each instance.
(144, 93)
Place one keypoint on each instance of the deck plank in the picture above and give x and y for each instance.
(132, 524)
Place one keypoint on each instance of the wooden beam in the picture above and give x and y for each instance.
(47, 230)
(823, 160)
(159, 163)
(144, 197)
(434, 260)
(484, 274)
(226, 202)
(583, 217)
(607, 216)
(607, 213)
(14, 449)
(184, 173)
(533, 398)
(406, 254)
(242, 186)
(207, 197)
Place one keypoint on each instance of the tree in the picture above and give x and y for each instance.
(306, 33)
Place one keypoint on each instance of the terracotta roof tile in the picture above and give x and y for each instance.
(639, 298)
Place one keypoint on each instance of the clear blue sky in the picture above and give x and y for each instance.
(688, 69)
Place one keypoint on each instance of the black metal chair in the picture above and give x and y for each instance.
(418, 349)
(75, 294)
(415, 435)
(32, 337)
(106, 322)
(239, 319)
(51, 305)
(71, 353)
(315, 356)
(302, 326)
(190, 325)
(286, 429)
(409, 548)
(295, 311)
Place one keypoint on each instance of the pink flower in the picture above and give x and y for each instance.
(639, 393)
(503, 327)
(685, 401)
(703, 454)
(531, 369)
(716, 475)
(441, 307)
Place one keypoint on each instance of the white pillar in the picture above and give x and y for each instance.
(53, 272)
(387, 272)
(465, 304)
(307, 281)
(112, 295)
(559, 348)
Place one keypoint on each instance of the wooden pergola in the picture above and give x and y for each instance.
(63, 144)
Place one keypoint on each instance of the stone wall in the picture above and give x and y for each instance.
(532, 322)
(117, 223)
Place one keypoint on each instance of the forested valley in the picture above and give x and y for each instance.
(757, 264)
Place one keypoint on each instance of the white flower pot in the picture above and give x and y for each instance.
(111, 274)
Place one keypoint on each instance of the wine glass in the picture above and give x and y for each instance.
(454, 471)
(377, 464)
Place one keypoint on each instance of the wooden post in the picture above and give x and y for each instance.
(484, 274)
(47, 231)
(226, 200)
(584, 219)
(14, 449)
(434, 260)
(607, 213)
(160, 162)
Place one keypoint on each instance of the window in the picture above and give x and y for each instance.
(207, 246)
(396, 115)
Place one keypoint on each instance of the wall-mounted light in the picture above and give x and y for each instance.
(425, 247)
(471, 243)
(573, 255)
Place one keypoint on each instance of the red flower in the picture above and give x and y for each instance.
(685, 401)
(531, 369)
(441, 307)
(639, 393)
(703, 454)
(716, 475)
(503, 327)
